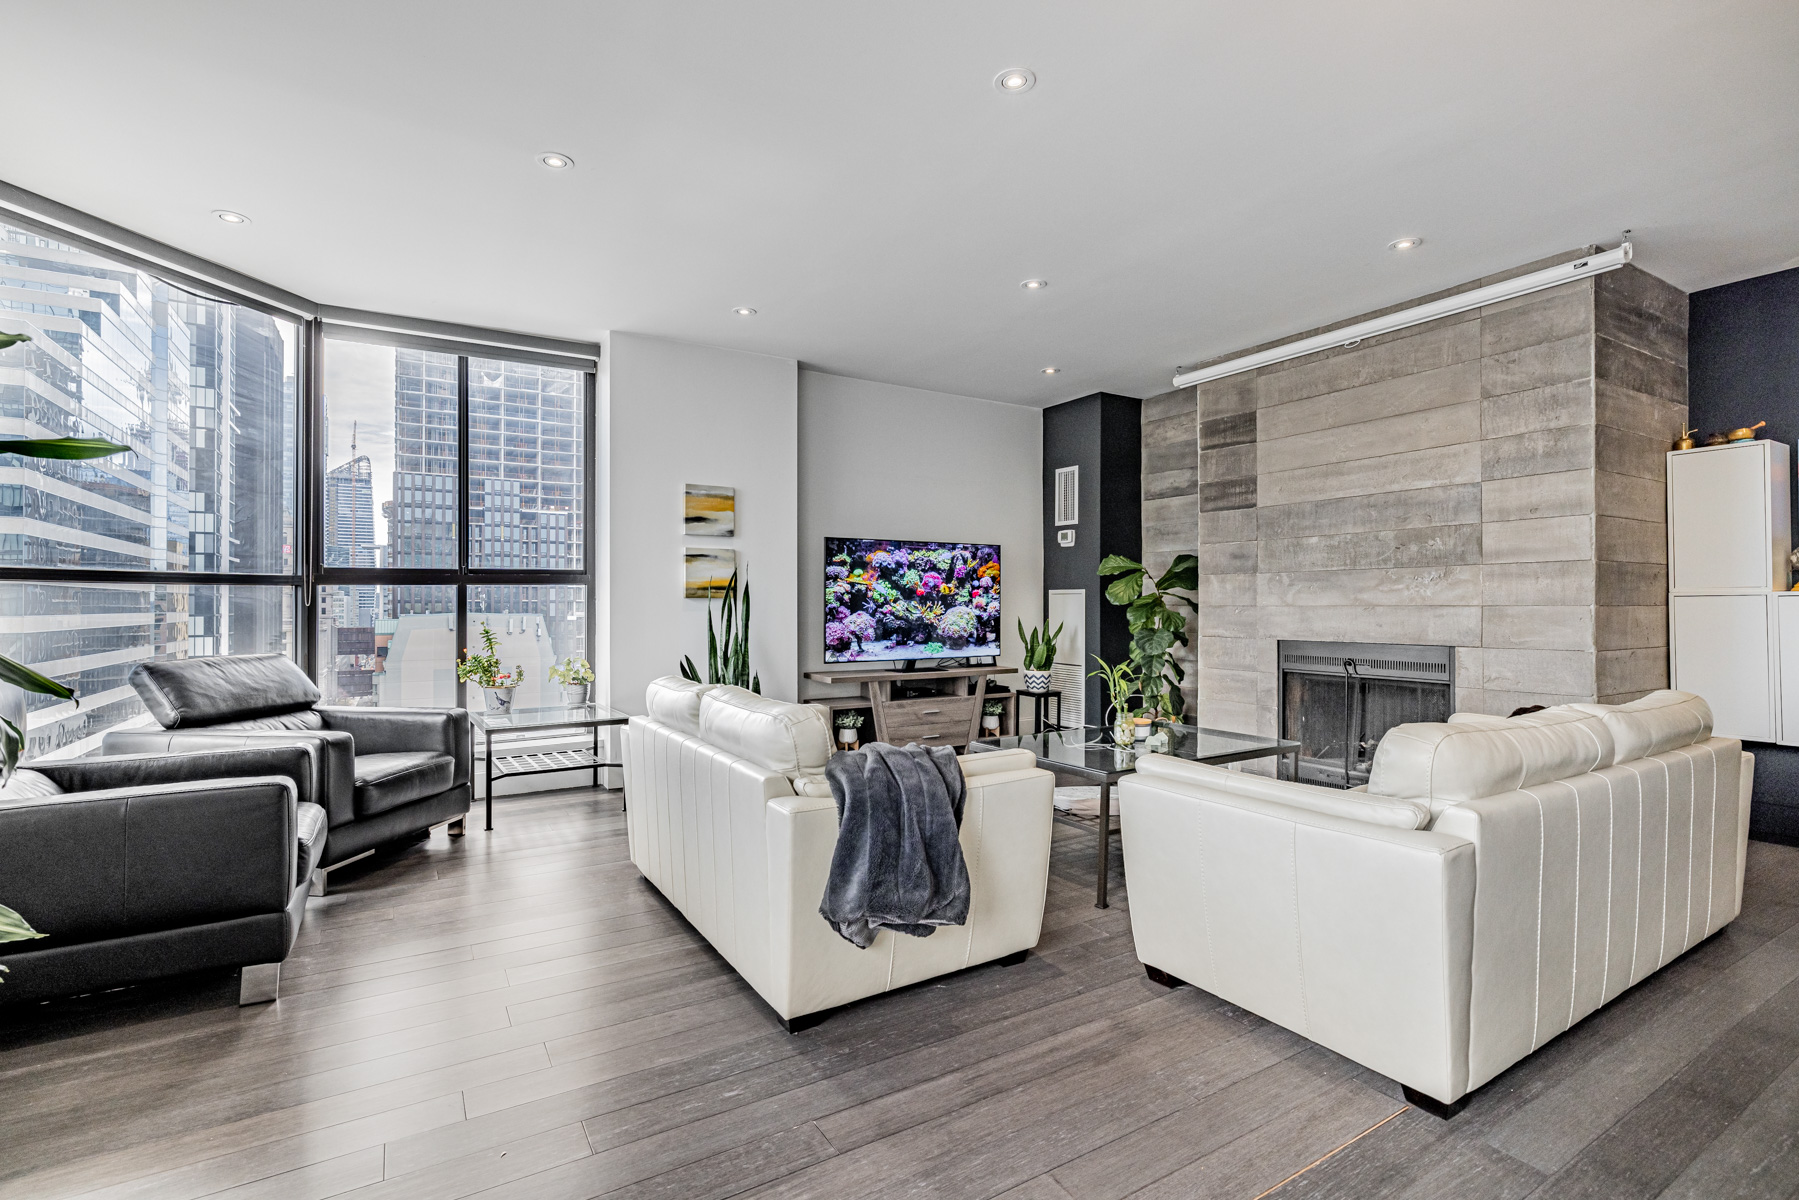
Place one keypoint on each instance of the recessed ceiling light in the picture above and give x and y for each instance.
(1034, 285)
(555, 161)
(229, 217)
(744, 312)
(1406, 244)
(1015, 79)
(1052, 370)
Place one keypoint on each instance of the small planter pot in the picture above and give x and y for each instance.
(1035, 682)
(575, 694)
(846, 738)
(990, 722)
(499, 700)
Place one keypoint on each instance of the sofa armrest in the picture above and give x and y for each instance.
(397, 730)
(1356, 935)
(334, 756)
(130, 860)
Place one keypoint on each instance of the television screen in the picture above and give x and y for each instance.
(905, 600)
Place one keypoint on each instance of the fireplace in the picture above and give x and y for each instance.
(1338, 699)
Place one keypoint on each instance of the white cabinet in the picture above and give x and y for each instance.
(1723, 648)
(1733, 630)
(1729, 518)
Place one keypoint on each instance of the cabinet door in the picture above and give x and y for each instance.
(1718, 519)
(1786, 629)
(1723, 653)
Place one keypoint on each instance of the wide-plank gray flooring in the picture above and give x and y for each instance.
(518, 1014)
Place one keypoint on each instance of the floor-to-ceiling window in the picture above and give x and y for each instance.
(360, 501)
(186, 545)
(454, 494)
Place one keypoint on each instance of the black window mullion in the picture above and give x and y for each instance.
(462, 515)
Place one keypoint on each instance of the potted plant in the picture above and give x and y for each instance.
(14, 928)
(484, 669)
(576, 677)
(1039, 656)
(991, 712)
(847, 724)
(1121, 684)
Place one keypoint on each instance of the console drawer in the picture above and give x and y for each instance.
(932, 721)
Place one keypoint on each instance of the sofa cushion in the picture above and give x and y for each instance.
(300, 720)
(386, 781)
(311, 822)
(1395, 812)
(184, 692)
(28, 785)
(675, 702)
(1655, 724)
(793, 739)
(1453, 762)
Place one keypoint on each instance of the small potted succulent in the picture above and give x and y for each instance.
(576, 677)
(1039, 656)
(991, 712)
(484, 670)
(848, 723)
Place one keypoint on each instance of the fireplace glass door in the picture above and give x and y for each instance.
(1339, 716)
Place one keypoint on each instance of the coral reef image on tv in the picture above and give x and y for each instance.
(907, 600)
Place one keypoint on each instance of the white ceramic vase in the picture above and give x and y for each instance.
(499, 701)
(1035, 682)
(575, 694)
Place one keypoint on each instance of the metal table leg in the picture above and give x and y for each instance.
(1105, 843)
(489, 734)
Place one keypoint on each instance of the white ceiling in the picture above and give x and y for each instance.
(1191, 177)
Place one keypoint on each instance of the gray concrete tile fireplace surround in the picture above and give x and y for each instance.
(1492, 481)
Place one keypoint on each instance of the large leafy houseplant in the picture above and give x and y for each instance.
(13, 927)
(1157, 627)
(728, 643)
(12, 738)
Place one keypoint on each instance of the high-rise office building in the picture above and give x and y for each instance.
(199, 391)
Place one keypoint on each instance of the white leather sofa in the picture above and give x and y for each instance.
(730, 816)
(1496, 881)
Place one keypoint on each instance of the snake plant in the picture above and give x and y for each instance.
(728, 645)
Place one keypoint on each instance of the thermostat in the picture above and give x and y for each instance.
(1065, 537)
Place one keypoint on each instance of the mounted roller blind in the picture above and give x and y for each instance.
(1068, 495)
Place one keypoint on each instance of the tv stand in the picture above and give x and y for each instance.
(949, 718)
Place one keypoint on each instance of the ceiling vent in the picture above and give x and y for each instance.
(1068, 495)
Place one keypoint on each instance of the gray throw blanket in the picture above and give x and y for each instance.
(898, 862)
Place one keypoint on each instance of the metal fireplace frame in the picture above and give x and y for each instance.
(1358, 662)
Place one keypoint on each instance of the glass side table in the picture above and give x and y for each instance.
(534, 722)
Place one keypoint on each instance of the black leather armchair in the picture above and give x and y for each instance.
(384, 773)
(140, 867)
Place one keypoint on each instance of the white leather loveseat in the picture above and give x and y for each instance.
(730, 816)
(1495, 882)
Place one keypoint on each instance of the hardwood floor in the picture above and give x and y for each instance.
(518, 1014)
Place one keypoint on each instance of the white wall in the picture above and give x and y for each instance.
(883, 461)
(672, 413)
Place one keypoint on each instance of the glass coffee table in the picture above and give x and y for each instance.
(1091, 754)
(535, 722)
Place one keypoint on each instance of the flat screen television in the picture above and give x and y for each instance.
(889, 600)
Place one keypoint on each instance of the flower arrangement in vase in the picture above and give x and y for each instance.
(1121, 684)
(484, 670)
(576, 677)
(847, 724)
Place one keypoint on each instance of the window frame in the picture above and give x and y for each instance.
(463, 575)
(207, 279)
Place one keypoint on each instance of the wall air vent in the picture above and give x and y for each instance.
(1068, 495)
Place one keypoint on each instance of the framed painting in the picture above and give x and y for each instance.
(710, 511)
(708, 572)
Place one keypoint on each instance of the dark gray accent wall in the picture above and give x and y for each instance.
(1743, 348)
(1100, 434)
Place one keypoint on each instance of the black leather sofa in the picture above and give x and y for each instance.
(385, 773)
(140, 867)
